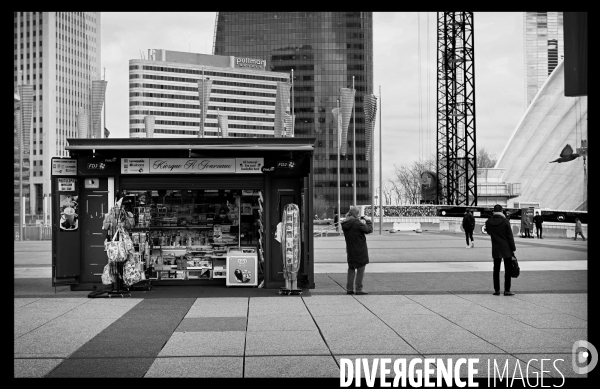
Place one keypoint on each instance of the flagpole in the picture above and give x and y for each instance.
(101, 131)
(339, 136)
(380, 175)
(354, 146)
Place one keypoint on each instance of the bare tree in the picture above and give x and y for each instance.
(485, 159)
(407, 183)
(386, 191)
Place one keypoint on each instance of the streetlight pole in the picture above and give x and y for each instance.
(354, 146)
(339, 137)
(380, 175)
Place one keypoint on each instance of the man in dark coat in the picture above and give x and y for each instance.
(503, 248)
(468, 224)
(355, 229)
(538, 220)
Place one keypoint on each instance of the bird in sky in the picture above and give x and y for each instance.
(566, 155)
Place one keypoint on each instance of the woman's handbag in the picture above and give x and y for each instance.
(115, 249)
(515, 270)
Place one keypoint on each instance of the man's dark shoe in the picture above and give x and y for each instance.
(349, 292)
(359, 293)
(509, 294)
(496, 293)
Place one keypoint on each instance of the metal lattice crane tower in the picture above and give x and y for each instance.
(456, 155)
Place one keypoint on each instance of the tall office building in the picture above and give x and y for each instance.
(58, 53)
(167, 86)
(325, 50)
(544, 48)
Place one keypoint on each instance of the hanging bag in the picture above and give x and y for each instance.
(107, 277)
(515, 270)
(115, 249)
(127, 242)
(131, 274)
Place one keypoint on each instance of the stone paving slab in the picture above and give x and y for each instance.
(571, 335)
(196, 367)
(34, 368)
(21, 302)
(277, 322)
(212, 324)
(291, 367)
(230, 343)
(285, 343)
(120, 348)
(366, 342)
(102, 368)
(551, 320)
(433, 334)
(354, 324)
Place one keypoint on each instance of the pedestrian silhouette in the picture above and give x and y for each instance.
(566, 155)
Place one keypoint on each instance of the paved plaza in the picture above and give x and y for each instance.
(429, 296)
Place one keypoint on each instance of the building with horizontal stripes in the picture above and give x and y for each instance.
(166, 86)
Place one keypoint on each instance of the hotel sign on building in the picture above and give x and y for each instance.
(250, 63)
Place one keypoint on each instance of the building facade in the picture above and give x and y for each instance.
(325, 50)
(544, 48)
(166, 86)
(58, 53)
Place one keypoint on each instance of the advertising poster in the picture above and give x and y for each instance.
(69, 220)
(241, 270)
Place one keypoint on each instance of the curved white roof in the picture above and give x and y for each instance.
(550, 123)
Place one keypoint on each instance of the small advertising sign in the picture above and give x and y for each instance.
(135, 165)
(66, 185)
(249, 165)
(241, 270)
(64, 167)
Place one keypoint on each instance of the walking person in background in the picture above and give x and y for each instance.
(357, 253)
(538, 220)
(578, 229)
(468, 224)
(503, 248)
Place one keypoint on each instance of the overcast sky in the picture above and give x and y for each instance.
(499, 73)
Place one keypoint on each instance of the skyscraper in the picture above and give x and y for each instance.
(544, 48)
(58, 53)
(325, 50)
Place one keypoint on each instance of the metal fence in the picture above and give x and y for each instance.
(34, 232)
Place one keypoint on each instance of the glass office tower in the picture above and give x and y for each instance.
(544, 48)
(325, 50)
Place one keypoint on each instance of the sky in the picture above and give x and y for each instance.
(400, 39)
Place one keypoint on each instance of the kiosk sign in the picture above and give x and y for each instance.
(190, 165)
(64, 167)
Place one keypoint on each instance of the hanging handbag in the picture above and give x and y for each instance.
(131, 274)
(127, 242)
(107, 277)
(515, 270)
(115, 249)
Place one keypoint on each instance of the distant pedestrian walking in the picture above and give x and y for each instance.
(503, 248)
(357, 253)
(525, 225)
(468, 224)
(578, 229)
(538, 220)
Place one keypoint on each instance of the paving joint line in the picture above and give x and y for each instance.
(458, 325)
(245, 339)
(320, 332)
